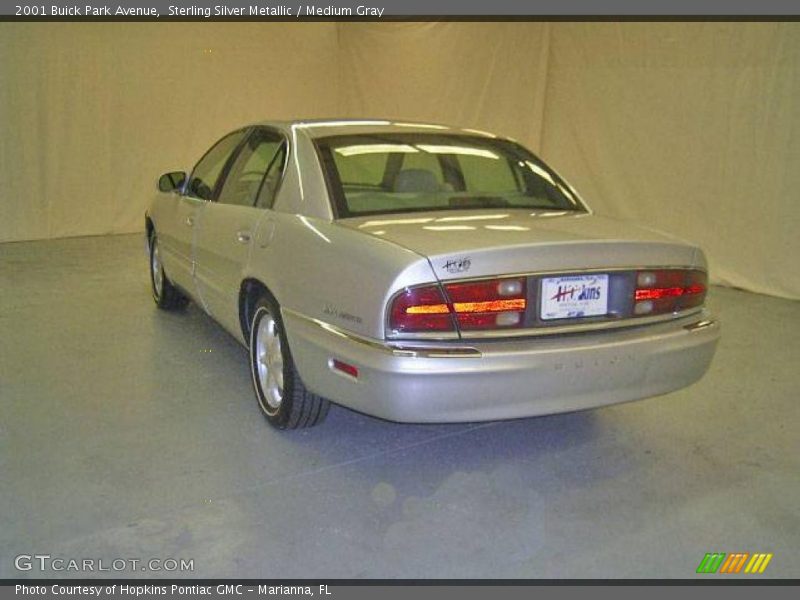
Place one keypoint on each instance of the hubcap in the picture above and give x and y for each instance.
(158, 272)
(269, 361)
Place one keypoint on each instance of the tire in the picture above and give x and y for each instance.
(165, 295)
(281, 395)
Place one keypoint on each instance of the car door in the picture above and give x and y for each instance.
(177, 231)
(228, 225)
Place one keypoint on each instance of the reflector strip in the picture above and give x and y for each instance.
(468, 307)
(490, 306)
(428, 309)
(695, 288)
(656, 293)
(344, 367)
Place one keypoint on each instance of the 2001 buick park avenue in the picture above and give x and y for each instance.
(423, 273)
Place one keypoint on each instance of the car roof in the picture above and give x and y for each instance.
(317, 128)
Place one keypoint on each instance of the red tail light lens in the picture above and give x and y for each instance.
(488, 304)
(419, 310)
(503, 303)
(668, 290)
(694, 294)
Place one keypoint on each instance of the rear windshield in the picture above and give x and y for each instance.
(383, 173)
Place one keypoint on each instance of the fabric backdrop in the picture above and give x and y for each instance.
(92, 113)
(687, 127)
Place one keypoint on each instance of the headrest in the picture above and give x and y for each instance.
(416, 181)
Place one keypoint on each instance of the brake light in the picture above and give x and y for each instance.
(668, 290)
(421, 309)
(487, 304)
(658, 293)
(490, 304)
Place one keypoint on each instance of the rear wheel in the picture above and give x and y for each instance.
(165, 295)
(283, 398)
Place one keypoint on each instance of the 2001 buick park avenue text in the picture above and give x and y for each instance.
(219, 10)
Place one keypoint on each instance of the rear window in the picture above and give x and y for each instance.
(411, 172)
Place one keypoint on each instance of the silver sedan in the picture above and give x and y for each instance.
(422, 273)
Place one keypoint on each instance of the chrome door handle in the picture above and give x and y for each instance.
(243, 237)
(190, 221)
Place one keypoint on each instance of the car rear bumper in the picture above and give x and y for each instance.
(492, 380)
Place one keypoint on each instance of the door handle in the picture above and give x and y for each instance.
(243, 237)
(190, 221)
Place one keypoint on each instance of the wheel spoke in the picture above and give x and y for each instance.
(155, 266)
(269, 361)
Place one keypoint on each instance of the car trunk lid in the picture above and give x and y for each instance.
(467, 244)
(564, 271)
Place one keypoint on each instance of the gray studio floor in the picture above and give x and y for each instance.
(127, 432)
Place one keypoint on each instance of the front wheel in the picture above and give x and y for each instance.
(165, 295)
(283, 398)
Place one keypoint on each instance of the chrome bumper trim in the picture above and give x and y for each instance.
(436, 352)
(404, 350)
(699, 325)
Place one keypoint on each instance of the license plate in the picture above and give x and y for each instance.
(574, 296)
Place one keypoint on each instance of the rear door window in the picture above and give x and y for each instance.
(208, 171)
(256, 172)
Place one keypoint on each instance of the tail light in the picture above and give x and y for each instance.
(421, 309)
(505, 303)
(492, 304)
(668, 290)
(478, 305)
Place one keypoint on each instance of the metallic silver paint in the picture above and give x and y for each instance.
(309, 261)
(512, 378)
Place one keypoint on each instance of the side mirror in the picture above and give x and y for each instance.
(171, 182)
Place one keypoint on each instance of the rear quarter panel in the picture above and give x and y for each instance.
(334, 274)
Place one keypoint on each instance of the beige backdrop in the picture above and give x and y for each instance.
(688, 127)
(92, 113)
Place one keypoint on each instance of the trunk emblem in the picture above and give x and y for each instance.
(459, 265)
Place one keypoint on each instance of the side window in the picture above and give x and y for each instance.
(266, 196)
(207, 172)
(255, 172)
